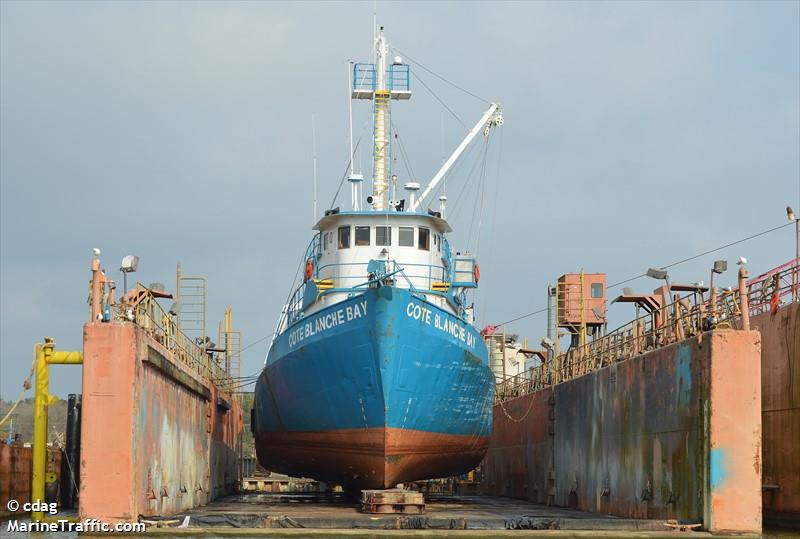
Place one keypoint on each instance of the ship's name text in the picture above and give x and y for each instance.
(327, 321)
(442, 323)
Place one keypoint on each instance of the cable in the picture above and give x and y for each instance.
(344, 177)
(614, 285)
(705, 253)
(26, 386)
(252, 344)
(442, 102)
(520, 317)
(454, 85)
(403, 153)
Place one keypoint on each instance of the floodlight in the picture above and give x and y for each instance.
(129, 264)
(720, 266)
(656, 273)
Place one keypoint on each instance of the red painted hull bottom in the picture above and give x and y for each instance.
(369, 458)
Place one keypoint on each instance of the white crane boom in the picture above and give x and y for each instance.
(489, 119)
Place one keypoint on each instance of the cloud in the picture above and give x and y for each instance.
(636, 134)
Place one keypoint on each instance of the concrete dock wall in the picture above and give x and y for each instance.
(156, 438)
(674, 433)
(780, 412)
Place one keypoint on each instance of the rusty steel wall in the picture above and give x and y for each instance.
(629, 438)
(156, 438)
(520, 457)
(170, 444)
(780, 409)
(16, 465)
(226, 435)
(650, 437)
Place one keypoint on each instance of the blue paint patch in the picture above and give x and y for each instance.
(719, 467)
(684, 375)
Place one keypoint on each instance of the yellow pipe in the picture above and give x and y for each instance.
(65, 358)
(45, 355)
(40, 426)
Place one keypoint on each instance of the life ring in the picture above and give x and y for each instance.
(477, 273)
(309, 269)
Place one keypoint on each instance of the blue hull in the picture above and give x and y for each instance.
(378, 389)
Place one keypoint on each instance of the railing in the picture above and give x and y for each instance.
(427, 274)
(775, 286)
(354, 277)
(364, 77)
(686, 317)
(160, 325)
(398, 78)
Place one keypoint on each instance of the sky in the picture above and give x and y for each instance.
(636, 134)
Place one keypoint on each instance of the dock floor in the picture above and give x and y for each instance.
(336, 515)
(336, 510)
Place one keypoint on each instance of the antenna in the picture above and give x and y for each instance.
(314, 152)
(350, 108)
(441, 152)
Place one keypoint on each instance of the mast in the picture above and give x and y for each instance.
(381, 128)
(380, 82)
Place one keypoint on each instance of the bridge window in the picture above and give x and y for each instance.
(424, 239)
(344, 237)
(362, 235)
(383, 235)
(406, 236)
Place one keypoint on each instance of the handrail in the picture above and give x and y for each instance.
(161, 326)
(677, 321)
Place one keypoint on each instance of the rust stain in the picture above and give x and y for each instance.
(632, 439)
(780, 409)
(167, 429)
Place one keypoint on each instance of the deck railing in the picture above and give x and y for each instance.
(684, 318)
(354, 277)
(162, 327)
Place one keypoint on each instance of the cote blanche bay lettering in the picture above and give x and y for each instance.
(327, 321)
(440, 322)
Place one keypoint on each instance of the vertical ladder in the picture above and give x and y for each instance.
(192, 298)
(233, 352)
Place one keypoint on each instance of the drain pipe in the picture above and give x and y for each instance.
(744, 301)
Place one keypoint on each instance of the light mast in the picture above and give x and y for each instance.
(382, 127)
(381, 82)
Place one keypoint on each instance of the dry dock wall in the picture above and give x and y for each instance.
(674, 433)
(155, 437)
(16, 467)
(780, 412)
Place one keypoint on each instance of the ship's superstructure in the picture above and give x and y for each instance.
(376, 374)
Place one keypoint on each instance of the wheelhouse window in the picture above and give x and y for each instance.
(362, 236)
(344, 237)
(383, 235)
(424, 239)
(406, 236)
(439, 243)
